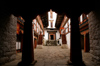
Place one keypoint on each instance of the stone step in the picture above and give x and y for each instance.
(51, 43)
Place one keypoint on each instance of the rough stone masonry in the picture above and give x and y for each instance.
(94, 35)
(8, 23)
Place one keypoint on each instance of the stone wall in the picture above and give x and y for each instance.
(8, 25)
(94, 35)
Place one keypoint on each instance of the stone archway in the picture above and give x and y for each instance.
(29, 35)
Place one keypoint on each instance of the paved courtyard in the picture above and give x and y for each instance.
(52, 56)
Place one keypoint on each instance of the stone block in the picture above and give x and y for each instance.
(94, 33)
(95, 42)
(97, 48)
(7, 38)
(39, 46)
(3, 60)
(64, 46)
(13, 57)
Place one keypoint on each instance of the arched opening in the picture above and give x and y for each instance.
(64, 29)
(76, 52)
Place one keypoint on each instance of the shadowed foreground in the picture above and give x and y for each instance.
(52, 56)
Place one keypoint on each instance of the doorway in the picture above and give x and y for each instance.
(52, 37)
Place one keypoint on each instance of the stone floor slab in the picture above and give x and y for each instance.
(52, 56)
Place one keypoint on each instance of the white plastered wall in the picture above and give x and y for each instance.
(68, 40)
(57, 35)
(46, 35)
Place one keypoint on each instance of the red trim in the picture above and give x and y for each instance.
(84, 28)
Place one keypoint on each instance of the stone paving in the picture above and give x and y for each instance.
(52, 56)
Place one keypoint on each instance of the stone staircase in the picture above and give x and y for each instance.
(51, 43)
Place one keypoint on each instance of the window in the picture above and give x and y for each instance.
(81, 18)
(18, 45)
(51, 18)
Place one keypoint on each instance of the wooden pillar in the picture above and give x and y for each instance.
(35, 43)
(21, 42)
(75, 47)
(28, 50)
(86, 43)
(63, 38)
(54, 35)
(40, 39)
(64, 45)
